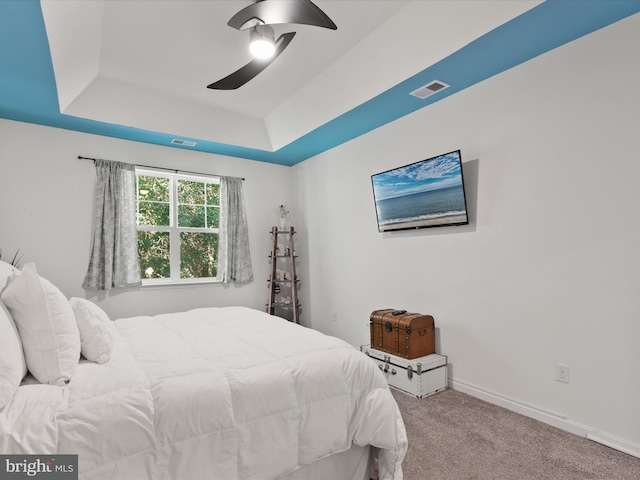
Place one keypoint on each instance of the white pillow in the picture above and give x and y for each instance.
(12, 365)
(46, 324)
(96, 330)
(6, 271)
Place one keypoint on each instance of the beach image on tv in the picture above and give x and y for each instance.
(424, 194)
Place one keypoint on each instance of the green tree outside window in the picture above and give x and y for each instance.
(178, 219)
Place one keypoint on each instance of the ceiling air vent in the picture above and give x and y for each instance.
(186, 143)
(429, 89)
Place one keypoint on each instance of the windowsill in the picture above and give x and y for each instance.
(177, 283)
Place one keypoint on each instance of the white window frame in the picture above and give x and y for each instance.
(173, 228)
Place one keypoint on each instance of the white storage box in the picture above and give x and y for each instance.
(419, 377)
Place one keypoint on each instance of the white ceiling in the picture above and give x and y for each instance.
(146, 64)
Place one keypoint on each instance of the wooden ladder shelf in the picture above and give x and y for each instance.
(283, 283)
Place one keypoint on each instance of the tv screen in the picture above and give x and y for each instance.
(429, 193)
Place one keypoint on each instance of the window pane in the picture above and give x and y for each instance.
(153, 249)
(153, 213)
(153, 188)
(190, 192)
(198, 255)
(213, 194)
(213, 216)
(191, 216)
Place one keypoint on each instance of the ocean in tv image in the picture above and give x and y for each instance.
(424, 194)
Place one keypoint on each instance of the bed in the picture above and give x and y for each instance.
(212, 393)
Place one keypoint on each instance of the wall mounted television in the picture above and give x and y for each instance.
(428, 193)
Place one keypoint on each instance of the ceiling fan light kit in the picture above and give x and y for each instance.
(261, 42)
(258, 18)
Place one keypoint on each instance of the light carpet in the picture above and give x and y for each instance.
(454, 436)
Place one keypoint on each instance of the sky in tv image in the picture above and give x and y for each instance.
(438, 173)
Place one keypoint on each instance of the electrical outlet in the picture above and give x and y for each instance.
(334, 317)
(562, 373)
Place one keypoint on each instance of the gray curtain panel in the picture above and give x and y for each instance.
(114, 254)
(234, 259)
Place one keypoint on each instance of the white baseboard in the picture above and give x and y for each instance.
(554, 419)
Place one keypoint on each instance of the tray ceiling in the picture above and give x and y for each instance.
(138, 69)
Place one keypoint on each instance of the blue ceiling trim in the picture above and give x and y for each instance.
(28, 91)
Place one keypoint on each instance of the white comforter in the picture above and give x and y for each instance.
(215, 393)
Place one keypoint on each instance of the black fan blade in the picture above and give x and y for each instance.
(253, 68)
(273, 12)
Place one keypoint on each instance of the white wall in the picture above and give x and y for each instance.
(548, 269)
(46, 202)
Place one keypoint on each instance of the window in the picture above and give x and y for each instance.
(177, 218)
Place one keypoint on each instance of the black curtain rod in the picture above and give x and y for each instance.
(80, 157)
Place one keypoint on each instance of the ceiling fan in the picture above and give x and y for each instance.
(258, 18)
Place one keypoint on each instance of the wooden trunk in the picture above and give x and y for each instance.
(407, 335)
